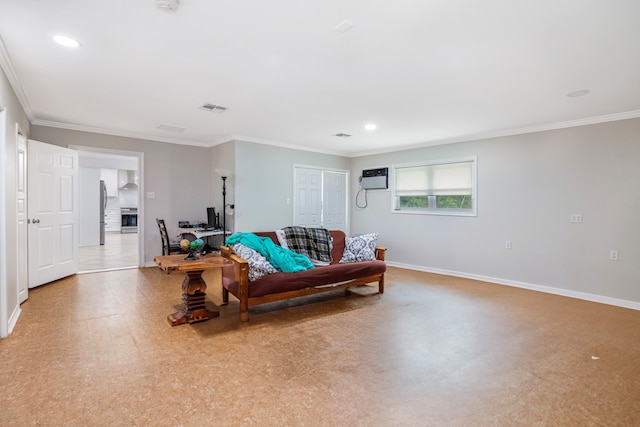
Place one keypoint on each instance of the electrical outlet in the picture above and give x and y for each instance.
(507, 244)
(575, 218)
(151, 195)
(614, 256)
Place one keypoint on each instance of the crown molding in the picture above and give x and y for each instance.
(5, 63)
(286, 145)
(510, 132)
(467, 138)
(113, 132)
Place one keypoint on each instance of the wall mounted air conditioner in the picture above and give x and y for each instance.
(375, 179)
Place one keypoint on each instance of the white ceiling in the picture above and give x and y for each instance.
(426, 72)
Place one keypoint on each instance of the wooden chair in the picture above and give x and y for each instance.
(167, 247)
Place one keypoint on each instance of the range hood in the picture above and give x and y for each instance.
(131, 182)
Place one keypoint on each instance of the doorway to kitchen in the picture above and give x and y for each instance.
(110, 193)
(119, 251)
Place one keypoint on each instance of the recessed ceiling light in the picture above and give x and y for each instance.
(577, 93)
(66, 41)
(370, 126)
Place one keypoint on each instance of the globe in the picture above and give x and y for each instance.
(185, 245)
(197, 245)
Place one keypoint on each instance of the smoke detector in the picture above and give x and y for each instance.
(167, 5)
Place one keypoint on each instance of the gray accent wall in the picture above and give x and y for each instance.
(528, 186)
(264, 182)
(223, 157)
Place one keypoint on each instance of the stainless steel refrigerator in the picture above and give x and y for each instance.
(103, 205)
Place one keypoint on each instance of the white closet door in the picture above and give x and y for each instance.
(308, 200)
(320, 198)
(334, 200)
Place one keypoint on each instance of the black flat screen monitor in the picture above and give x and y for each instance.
(211, 217)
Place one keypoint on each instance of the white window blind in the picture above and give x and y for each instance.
(446, 179)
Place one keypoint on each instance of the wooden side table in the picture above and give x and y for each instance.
(193, 287)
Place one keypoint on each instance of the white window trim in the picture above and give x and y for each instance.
(434, 211)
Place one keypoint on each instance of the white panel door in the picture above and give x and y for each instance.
(334, 200)
(308, 200)
(321, 198)
(21, 195)
(53, 212)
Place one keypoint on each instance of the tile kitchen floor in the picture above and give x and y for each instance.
(119, 251)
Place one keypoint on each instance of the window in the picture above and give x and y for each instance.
(445, 187)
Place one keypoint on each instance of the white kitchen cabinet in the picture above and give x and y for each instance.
(112, 220)
(110, 178)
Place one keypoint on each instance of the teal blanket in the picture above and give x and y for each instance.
(282, 259)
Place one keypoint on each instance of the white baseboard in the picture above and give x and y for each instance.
(634, 305)
(13, 319)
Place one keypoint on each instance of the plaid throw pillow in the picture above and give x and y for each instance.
(314, 243)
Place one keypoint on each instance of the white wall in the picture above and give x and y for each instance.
(90, 160)
(15, 120)
(89, 206)
(528, 185)
(128, 198)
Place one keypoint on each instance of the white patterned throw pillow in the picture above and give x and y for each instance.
(360, 248)
(258, 265)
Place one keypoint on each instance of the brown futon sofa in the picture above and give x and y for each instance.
(280, 286)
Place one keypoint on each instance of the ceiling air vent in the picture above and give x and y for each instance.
(342, 135)
(167, 5)
(214, 108)
(171, 128)
(344, 26)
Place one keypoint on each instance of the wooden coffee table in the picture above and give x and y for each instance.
(193, 287)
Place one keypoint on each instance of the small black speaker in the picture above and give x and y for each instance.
(211, 217)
